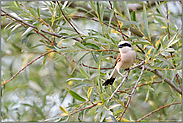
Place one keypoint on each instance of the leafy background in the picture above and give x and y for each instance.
(82, 37)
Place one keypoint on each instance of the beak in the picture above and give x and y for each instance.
(120, 46)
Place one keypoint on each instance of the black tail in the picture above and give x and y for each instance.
(109, 81)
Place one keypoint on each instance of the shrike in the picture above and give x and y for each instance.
(125, 59)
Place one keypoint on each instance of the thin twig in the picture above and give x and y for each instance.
(44, 31)
(138, 86)
(26, 66)
(168, 81)
(86, 108)
(69, 21)
(117, 22)
(82, 63)
(161, 107)
(125, 78)
(130, 96)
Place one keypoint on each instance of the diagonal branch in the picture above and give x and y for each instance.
(130, 96)
(117, 22)
(26, 66)
(161, 107)
(30, 25)
(168, 81)
(68, 20)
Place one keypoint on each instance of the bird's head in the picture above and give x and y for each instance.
(124, 46)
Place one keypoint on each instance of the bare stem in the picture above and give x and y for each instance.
(161, 107)
(117, 22)
(26, 66)
(68, 20)
(125, 78)
(130, 96)
(30, 25)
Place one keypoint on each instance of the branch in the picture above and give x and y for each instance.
(125, 78)
(86, 108)
(138, 86)
(168, 81)
(82, 63)
(117, 22)
(44, 31)
(68, 20)
(161, 107)
(25, 67)
(130, 96)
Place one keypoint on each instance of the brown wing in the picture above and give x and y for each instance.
(118, 59)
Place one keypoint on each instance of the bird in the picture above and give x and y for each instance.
(124, 60)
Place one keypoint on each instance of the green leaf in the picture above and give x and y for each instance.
(38, 12)
(94, 56)
(133, 16)
(102, 12)
(38, 25)
(145, 20)
(38, 110)
(92, 46)
(102, 98)
(33, 12)
(84, 72)
(76, 96)
(63, 109)
(104, 40)
(92, 5)
(27, 31)
(172, 42)
(80, 45)
(16, 4)
(44, 61)
(116, 6)
(125, 7)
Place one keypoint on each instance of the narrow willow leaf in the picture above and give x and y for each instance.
(116, 6)
(27, 31)
(94, 56)
(18, 25)
(98, 9)
(173, 42)
(33, 12)
(147, 95)
(84, 72)
(104, 40)
(63, 109)
(92, 5)
(44, 61)
(92, 46)
(133, 16)
(125, 7)
(16, 4)
(145, 20)
(80, 45)
(102, 98)
(76, 96)
(38, 12)
(101, 12)
(15, 33)
(89, 92)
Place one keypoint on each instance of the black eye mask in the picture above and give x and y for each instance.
(124, 45)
